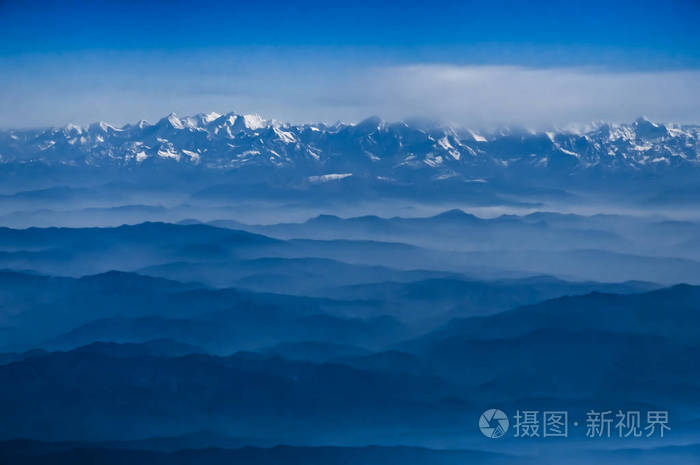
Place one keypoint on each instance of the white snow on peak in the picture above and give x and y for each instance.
(329, 177)
(433, 160)
(476, 136)
(168, 153)
(71, 127)
(194, 156)
(200, 119)
(249, 153)
(47, 145)
(105, 127)
(254, 121)
(314, 153)
(445, 143)
(234, 139)
(211, 116)
(248, 121)
(569, 152)
(175, 121)
(192, 122)
(286, 137)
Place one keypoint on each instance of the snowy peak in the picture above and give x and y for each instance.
(171, 121)
(200, 120)
(102, 127)
(645, 129)
(371, 148)
(240, 122)
(254, 122)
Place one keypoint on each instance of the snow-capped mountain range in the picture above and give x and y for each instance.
(370, 148)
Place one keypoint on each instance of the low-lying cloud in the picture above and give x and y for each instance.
(123, 90)
(487, 95)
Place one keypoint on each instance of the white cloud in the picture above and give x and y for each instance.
(487, 95)
(125, 88)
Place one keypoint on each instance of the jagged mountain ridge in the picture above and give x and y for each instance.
(372, 147)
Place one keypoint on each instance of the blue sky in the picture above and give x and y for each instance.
(478, 63)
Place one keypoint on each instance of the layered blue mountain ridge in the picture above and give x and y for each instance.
(226, 289)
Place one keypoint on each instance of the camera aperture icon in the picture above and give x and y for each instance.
(493, 423)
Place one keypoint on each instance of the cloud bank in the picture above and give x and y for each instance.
(536, 97)
(121, 91)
